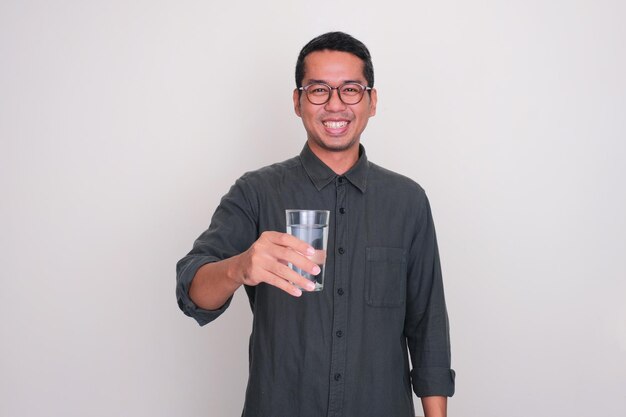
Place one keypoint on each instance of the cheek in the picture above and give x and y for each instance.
(309, 115)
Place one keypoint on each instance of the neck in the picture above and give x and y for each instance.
(339, 161)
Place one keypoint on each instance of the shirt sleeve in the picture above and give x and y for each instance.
(232, 230)
(426, 325)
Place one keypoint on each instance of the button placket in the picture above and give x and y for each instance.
(340, 303)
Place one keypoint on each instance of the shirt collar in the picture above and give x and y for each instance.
(321, 175)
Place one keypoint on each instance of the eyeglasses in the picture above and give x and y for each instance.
(349, 93)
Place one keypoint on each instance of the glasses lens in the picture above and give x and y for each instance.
(318, 93)
(351, 93)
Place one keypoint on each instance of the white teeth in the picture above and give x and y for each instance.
(335, 125)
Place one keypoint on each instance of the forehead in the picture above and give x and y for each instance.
(333, 66)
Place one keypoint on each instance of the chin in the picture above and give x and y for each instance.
(336, 146)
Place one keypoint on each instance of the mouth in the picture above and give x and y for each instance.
(336, 124)
(336, 127)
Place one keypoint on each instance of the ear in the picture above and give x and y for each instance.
(373, 101)
(296, 102)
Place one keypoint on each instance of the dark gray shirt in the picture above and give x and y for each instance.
(343, 351)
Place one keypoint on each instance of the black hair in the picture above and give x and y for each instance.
(337, 41)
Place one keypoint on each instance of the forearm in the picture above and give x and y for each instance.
(214, 283)
(435, 406)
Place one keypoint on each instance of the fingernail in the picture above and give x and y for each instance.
(310, 251)
(310, 286)
(316, 270)
(297, 292)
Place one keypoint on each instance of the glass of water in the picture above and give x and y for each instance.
(310, 226)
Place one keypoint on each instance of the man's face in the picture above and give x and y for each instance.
(334, 126)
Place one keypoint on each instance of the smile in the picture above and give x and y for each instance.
(331, 124)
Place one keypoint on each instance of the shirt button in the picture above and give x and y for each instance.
(342, 210)
(341, 251)
(339, 333)
(340, 291)
(337, 377)
(340, 179)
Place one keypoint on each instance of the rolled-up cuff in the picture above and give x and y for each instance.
(183, 282)
(433, 381)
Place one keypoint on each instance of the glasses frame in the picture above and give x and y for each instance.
(330, 94)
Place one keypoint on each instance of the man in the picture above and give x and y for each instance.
(342, 351)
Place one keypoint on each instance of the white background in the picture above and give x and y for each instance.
(122, 123)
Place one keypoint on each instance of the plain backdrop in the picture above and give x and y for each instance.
(122, 123)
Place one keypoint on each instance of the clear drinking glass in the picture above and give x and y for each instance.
(311, 226)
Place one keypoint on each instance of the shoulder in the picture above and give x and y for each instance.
(270, 173)
(381, 179)
(252, 187)
(398, 194)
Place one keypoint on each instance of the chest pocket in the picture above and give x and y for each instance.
(385, 277)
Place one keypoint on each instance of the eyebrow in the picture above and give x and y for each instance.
(343, 82)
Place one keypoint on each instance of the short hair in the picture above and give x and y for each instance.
(336, 41)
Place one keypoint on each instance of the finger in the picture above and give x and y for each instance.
(319, 257)
(292, 276)
(287, 240)
(283, 284)
(272, 271)
(304, 263)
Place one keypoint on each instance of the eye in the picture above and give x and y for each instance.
(317, 89)
(351, 89)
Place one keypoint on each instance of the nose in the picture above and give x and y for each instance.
(335, 103)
